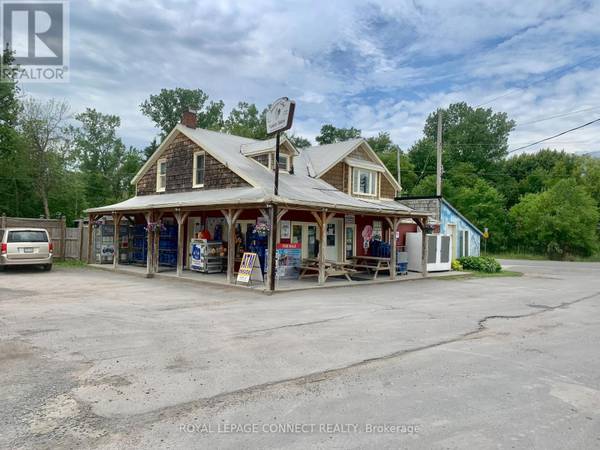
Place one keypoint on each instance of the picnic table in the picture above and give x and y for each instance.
(332, 268)
(371, 263)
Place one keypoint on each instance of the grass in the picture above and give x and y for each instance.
(69, 263)
(503, 273)
(538, 257)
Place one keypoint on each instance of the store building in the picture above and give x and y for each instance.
(335, 204)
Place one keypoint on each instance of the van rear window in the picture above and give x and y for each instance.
(27, 236)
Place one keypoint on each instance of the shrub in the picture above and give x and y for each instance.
(456, 265)
(480, 264)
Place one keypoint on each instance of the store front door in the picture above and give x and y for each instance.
(305, 234)
(333, 245)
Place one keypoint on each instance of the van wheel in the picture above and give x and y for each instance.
(1, 268)
(48, 267)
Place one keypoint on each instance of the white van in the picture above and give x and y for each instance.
(25, 247)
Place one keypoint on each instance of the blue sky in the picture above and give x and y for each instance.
(378, 66)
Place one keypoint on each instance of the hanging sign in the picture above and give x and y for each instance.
(280, 115)
(249, 269)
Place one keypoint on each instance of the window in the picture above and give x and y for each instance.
(199, 163)
(27, 236)
(364, 181)
(284, 162)
(161, 175)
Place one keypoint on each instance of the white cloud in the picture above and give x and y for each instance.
(379, 66)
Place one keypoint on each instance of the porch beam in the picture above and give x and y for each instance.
(280, 214)
(393, 222)
(181, 217)
(116, 238)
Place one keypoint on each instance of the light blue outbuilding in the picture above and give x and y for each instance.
(466, 237)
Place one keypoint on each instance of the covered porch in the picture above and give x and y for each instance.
(327, 246)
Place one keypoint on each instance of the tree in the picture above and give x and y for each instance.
(245, 120)
(106, 164)
(330, 134)
(484, 206)
(535, 172)
(150, 149)
(9, 104)
(561, 221)
(474, 135)
(45, 146)
(166, 108)
(299, 141)
(422, 156)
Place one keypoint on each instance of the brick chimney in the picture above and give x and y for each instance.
(189, 118)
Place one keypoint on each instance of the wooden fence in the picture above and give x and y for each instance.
(69, 243)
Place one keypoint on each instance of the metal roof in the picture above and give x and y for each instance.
(300, 188)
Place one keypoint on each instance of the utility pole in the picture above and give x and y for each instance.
(438, 191)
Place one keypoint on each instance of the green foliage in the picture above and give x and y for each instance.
(9, 104)
(471, 135)
(245, 120)
(330, 134)
(166, 108)
(299, 141)
(559, 222)
(105, 163)
(486, 264)
(456, 265)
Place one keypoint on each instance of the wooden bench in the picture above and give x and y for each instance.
(371, 263)
(332, 269)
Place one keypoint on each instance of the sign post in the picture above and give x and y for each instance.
(280, 116)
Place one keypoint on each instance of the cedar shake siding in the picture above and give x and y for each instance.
(360, 153)
(180, 166)
(387, 189)
(337, 177)
(263, 159)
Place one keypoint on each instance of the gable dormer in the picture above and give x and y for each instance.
(263, 152)
(354, 168)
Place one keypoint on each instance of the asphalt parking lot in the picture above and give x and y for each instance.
(92, 359)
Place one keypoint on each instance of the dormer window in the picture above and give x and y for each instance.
(364, 181)
(161, 175)
(284, 162)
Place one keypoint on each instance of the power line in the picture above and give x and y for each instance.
(546, 78)
(556, 135)
(557, 116)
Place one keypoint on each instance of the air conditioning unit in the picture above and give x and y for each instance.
(438, 252)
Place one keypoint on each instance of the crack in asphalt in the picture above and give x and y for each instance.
(293, 325)
(243, 394)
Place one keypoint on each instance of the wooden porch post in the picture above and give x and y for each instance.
(116, 222)
(91, 218)
(424, 247)
(393, 260)
(149, 241)
(322, 219)
(231, 216)
(155, 256)
(181, 217)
